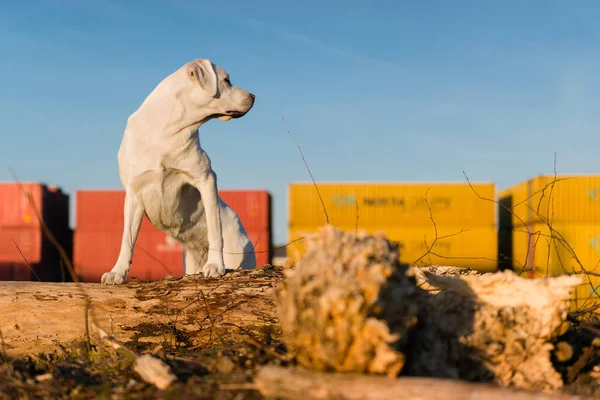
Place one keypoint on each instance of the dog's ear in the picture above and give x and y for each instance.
(203, 73)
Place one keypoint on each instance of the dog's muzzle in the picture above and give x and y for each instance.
(246, 106)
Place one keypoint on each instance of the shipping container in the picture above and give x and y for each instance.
(392, 204)
(16, 210)
(156, 255)
(474, 247)
(17, 244)
(252, 206)
(99, 217)
(22, 238)
(262, 246)
(564, 198)
(103, 209)
(556, 250)
(15, 207)
(542, 251)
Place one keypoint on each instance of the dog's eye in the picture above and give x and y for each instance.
(227, 81)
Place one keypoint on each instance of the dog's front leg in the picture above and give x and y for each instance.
(207, 185)
(133, 214)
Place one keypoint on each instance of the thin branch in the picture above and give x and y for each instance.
(25, 259)
(311, 176)
(264, 251)
(434, 228)
(436, 235)
(163, 265)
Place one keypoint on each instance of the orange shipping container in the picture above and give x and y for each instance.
(103, 209)
(16, 209)
(22, 240)
(252, 206)
(19, 243)
(262, 246)
(156, 255)
(99, 221)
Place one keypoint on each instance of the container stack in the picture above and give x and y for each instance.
(254, 209)
(552, 228)
(413, 214)
(99, 228)
(25, 252)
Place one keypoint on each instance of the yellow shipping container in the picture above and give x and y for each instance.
(571, 246)
(513, 206)
(565, 198)
(392, 204)
(473, 247)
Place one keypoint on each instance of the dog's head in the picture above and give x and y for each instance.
(208, 89)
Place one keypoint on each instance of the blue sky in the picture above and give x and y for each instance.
(380, 91)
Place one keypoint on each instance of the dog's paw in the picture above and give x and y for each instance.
(212, 270)
(112, 278)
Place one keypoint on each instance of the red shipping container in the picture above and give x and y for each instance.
(252, 206)
(99, 224)
(155, 256)
(103, 209)
(21, 234)
(262, 246)
(14, 241)
(16, 209)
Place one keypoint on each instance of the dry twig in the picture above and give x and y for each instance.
(309, 171)
(25, 259)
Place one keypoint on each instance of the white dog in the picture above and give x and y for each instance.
(168, 177)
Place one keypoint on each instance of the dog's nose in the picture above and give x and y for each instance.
(253, 96)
